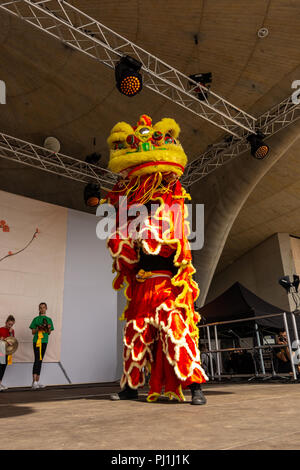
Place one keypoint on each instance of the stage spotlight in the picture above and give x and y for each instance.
(93, 158)
(92, 195)
(285, 283)
(259, 149)
(128, 79)
(288, 284)
(296, 282)
(291, 287)
(204, 79)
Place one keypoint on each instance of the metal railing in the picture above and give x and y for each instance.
(260, 348)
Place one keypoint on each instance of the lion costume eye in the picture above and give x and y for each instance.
(169, 139)
(132, 141)
(157, 135)
(119, 145)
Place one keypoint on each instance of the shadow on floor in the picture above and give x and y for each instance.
(55, 393)
(52, 394)
(143, 397)
(11, 411)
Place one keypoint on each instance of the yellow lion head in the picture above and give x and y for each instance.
(146, 148)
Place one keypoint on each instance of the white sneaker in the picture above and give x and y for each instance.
(2, 388)
(35, 385)
(41, 385)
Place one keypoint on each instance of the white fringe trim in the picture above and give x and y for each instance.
(166, 334)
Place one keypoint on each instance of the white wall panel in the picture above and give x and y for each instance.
(89, 324)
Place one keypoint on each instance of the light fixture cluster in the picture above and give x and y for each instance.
(128, 79)
(92, 195)
(129, 83)
(289, 285)
(259, 149)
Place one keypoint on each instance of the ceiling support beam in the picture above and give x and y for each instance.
(40, 158)
(278, 117)
(70, 25)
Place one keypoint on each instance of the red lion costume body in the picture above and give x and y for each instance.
(154, 263)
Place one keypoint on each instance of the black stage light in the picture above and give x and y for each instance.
(259, 149)
(204, 79)
(291, 287)
(296, 282)
(285, 282)
(92, 195)
(93, 158)
(128, 79)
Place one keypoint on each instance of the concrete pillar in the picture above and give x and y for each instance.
(288, 263)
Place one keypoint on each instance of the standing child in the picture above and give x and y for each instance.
(5, 332)
(41, 327)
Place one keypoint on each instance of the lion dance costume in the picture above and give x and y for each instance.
(155, 266)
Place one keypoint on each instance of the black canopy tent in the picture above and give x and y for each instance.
(239, 303)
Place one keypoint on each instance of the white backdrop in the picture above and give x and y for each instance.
(89, 328)
(34, 275)
(68, 267)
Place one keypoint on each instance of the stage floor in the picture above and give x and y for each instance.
(236, 416)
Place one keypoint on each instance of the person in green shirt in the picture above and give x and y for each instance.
(41, 327)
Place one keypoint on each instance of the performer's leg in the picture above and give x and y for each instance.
(157, 379)
(198, 397)
(163, 375)
(182, 358)
(138, 339)
(44, 347)
(127, 393)
(37, 364)
(2, 370)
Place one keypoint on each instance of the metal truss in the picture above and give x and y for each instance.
(32, 155)
(271, 122)
(74, 28)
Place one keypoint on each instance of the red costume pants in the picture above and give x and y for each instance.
(157, 338)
